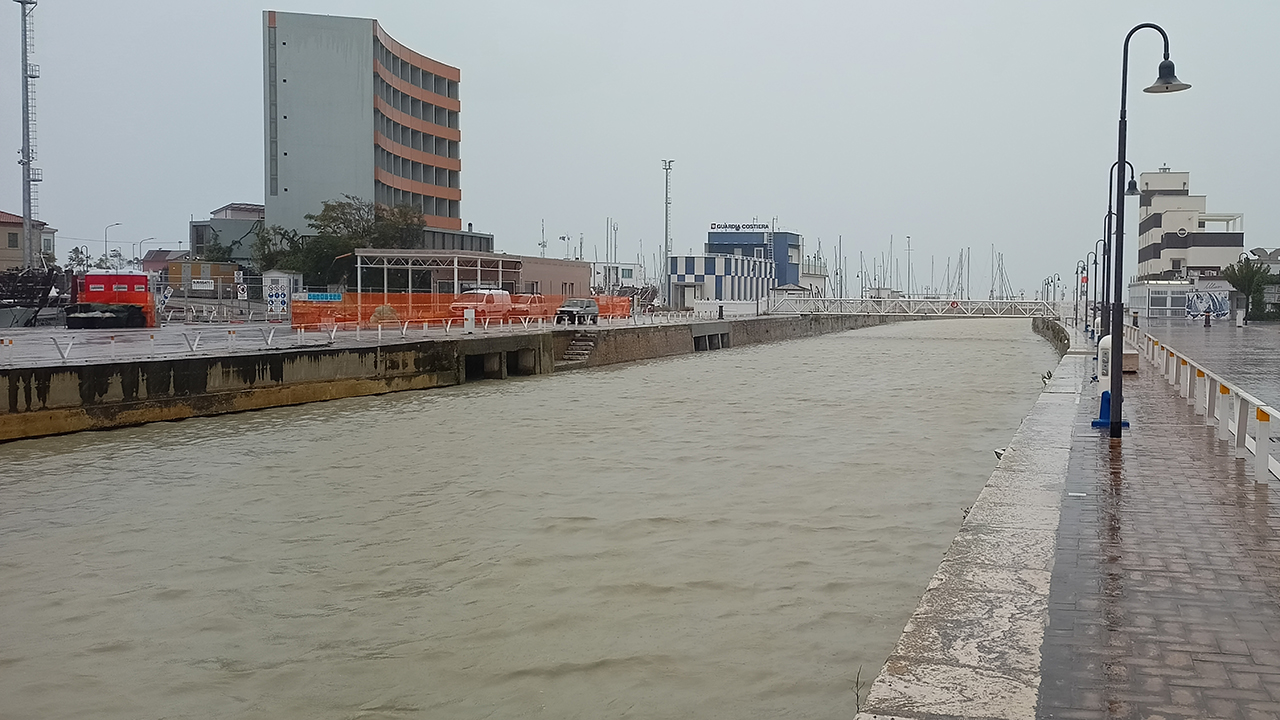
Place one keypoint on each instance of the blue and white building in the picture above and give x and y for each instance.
(719, 277)
(759, 240)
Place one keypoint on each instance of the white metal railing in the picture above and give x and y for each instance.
(934, 307)
(38, 347)
(1222, 403)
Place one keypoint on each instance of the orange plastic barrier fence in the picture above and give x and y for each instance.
(373, 309)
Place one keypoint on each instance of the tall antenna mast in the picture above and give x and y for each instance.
(30, 174)
(543, 242)
(666, 263)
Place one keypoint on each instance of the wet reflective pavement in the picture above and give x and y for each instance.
(1163, 598)
(1247, 356)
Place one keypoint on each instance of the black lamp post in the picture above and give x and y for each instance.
(1131, 189)
(1100, 248)
(1166, 82)
(1081, 270)
(1091, 294)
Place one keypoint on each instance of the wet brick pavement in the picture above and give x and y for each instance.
(1247, 356)
(1163, 599)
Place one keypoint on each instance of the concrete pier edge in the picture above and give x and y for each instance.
(972, 647)
(59, 398)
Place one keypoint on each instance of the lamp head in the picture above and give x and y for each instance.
(1132, 189)
(1167, 82)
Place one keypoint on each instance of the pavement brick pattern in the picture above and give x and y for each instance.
(1163, 597)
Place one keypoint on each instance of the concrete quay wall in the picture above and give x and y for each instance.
(56, 399)
(1055, 333)
(645, 342)
(53, 399)
(972, 647)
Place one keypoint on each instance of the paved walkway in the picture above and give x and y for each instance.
(1163, 596)
(1247, 356)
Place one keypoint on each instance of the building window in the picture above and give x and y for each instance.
(626, 273)
(13, 239)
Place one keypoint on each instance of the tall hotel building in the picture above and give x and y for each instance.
(350, 111)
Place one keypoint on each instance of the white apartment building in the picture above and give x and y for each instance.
(1177, 237)
(1181, 246)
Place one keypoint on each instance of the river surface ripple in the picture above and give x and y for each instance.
(729, 534)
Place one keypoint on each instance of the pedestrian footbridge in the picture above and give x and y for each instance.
(910, 307)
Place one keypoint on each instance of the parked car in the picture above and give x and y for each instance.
(577, 311)
(531, 306)
(486, 303)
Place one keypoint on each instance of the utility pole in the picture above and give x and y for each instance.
(30, 71)
(666, 263)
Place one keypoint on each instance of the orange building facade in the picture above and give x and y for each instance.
(350, 111)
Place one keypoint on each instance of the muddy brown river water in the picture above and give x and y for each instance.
(731, 534)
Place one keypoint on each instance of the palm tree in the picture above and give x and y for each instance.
(1248, 277)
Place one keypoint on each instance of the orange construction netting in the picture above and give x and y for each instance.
(372, 309)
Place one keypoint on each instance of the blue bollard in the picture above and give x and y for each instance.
(1104, 413)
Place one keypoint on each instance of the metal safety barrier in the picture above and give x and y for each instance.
(1223, 404)
(917, 307)
(32, 347)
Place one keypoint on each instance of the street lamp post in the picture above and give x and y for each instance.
(105, 250)
(1082, 270)
(1101, 248)
(1166, 82)
(136, 261)
(1131, 189)
(1091, 283)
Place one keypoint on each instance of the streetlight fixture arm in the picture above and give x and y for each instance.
(1124, 68)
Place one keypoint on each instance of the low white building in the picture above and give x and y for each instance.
(1270, 293)
(813, 275)
(613, 275)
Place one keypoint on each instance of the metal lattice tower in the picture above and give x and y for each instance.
(31, 250)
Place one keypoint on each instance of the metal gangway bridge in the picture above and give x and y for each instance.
(911, 307)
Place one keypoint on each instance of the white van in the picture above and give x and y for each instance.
(486, 303)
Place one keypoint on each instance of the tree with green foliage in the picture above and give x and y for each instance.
(341, 226)
(215, 251)
(275, 247)
(79, 260)
(112, 261)
(1249, 277)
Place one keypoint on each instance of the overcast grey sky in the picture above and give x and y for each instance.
(961, 124)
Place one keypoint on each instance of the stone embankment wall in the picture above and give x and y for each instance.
(57, 399)
(972, 647)
(1053, 332)
(644, 342)
(68, 398)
